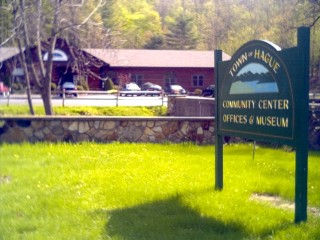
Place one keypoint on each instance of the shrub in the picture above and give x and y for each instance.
(80, 88)
(85, 86)
(108, 84)
(17, 87)
(198, 92)
(83, 83)
(53, 86)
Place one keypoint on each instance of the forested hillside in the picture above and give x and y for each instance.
(170, 24)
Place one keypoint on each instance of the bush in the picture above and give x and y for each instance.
(53, 86)
(80, 88)
(85, 86)
(108, 84)
(198, 92)
(16, 87)
(83, 83)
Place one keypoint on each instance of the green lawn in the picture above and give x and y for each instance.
(149, 191)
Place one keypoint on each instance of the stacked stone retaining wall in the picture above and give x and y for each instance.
(199, 130)
(107, 129)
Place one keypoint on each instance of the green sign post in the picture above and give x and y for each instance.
(262, 94)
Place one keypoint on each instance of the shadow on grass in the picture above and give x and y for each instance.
(167, 219)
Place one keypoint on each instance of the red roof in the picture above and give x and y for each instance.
(156, 58)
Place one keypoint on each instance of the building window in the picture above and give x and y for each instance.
(58, 56)
(197, 80)
(137, 78)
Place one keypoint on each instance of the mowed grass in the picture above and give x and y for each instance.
(149, 191)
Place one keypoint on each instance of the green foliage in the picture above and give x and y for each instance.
(156, 42)
(83, 84)
(5, 20)
(88, 111)
(198, 92)
(108, 84)
(80, 87)
(149, 191)
(17, 87)
(181, 32)
(53, 86)
(136, 21)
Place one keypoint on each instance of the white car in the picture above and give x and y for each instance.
(69, 86)
(131, 89)
(177, 90)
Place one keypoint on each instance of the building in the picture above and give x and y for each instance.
(188, 68)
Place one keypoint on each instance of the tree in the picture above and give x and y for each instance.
(5, 21)
(132, 23)
(109, 85)
(37, 24)
(156, 42)
(182, 33)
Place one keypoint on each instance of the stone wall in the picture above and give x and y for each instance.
(190, 106)
(122, 129)
(107, 129)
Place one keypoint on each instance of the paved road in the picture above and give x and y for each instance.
(87, 100)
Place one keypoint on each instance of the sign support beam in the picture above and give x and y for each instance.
(219, 138)
(301, 184)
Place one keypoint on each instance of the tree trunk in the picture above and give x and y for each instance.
(27, 78)
(46, 98)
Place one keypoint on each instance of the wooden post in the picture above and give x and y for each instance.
(302, 102)
(219, 138)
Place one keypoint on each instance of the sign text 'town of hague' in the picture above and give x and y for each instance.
(256, 96)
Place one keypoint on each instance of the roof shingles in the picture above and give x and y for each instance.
(155, 58)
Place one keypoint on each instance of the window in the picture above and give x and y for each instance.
(137, 78)
(197, 80)
(58, 56)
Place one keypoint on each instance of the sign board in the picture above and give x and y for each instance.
(262, 94)
(256, 94)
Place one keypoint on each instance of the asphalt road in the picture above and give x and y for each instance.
(87, 100)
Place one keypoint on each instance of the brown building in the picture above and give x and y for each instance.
(190, 69)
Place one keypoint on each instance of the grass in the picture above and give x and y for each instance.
(87, 111)
(148, 191)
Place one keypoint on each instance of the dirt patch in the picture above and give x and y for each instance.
(5, 179)
(280, 202)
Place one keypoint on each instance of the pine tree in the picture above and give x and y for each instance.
(181, 33)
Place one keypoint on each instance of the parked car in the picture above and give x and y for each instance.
(148, 86)
(130, 87)
(4, 90)
(69, 86)
(176, 90)
(152, 87)
(209, 91)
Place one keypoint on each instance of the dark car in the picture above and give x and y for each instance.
(152, 88)
(209, 91)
